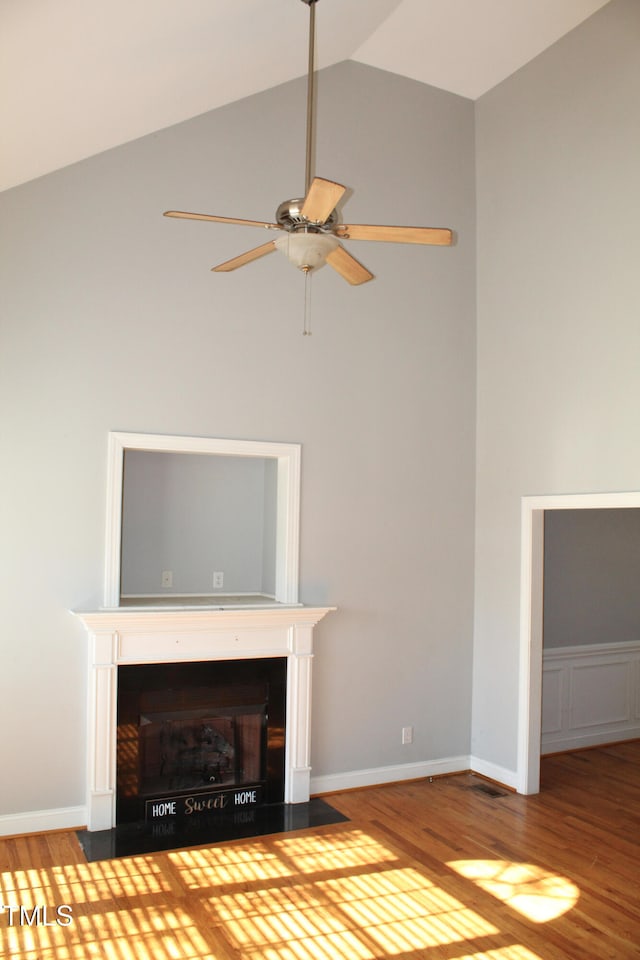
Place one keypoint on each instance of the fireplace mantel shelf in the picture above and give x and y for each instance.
(126, 635)
(200, 617)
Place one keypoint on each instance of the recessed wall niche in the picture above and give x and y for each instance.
(183, 509)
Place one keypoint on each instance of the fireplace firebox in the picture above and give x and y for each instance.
(199, 738)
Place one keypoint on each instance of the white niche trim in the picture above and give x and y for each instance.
(288, 500)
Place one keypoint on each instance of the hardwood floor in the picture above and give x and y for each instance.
(451, 869)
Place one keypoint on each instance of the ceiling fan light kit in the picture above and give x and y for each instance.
(311, 224)
(307, 251)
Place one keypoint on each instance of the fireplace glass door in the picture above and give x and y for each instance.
(199, 737)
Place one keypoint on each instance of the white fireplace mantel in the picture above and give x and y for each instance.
(137, 636)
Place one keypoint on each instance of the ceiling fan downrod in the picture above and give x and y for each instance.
(310, 91)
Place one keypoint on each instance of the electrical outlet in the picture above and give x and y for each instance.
(407, 735)
(167, 578)
(218, 580)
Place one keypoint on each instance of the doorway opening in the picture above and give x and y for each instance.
(531, 618)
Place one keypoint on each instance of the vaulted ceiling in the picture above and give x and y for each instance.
(81, 76)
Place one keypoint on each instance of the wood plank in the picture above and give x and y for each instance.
(437, 870)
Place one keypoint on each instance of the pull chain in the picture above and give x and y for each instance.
(306, 329)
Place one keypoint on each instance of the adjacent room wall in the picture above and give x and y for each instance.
(112, 320)
(558, 331)
(591, 577)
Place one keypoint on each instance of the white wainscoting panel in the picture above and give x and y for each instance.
(590, 695)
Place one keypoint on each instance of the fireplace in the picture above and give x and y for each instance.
(206, 705)
(199, 738)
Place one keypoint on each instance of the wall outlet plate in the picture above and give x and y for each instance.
(407, 735)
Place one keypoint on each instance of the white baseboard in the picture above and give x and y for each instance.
(42, 821)
(352, 779)
(584, 741)
(508, 778)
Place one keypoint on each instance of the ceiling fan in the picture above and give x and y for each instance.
(310, 225)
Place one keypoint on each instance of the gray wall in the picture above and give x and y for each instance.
(269, 530)
(193, 515)
(558, 332)
(591, 577)
(112, 320)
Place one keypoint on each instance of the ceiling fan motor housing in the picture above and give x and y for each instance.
(289, 216)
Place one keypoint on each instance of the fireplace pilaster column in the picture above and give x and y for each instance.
(102, 708)
(296, 787)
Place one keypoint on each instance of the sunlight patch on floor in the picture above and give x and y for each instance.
(400, 910)
(515, 952)
(348, 896)
(103, 924)
(535, 893)
(340, 894)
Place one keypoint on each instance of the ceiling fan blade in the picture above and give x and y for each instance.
(348, 267)
(362, 231)
(247, 257)
(181, 214)
(321, 198)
